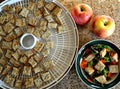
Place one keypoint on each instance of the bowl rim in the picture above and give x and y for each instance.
(78, 59)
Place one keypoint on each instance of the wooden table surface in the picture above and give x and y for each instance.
(100, 7)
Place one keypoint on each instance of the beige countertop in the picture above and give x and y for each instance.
(100, 7)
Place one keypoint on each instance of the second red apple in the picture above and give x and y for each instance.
(82, 13)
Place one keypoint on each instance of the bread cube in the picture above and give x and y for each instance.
(29, 53)
(2, 19)
(20, 22)
(101, 79)
(45, 12)
(15, 71)
(8, 27)
(49, 18)
(15, 44)
(2, 32)
(14, 62)
(43, 23)
(40, 3)
(37, 13)
(9, 80)
(18, 83)
(115, 57)
(57, 11)
(89, 70)
(60, 29)
(38, 69)
(45, 53)
(16, 55)
(46, 35)
(8, 54)
(37, 33)
(18, 8)
(24, 12)
(103, 52)
(6, 45)
(28, 82)
(49, 65)
(3, 61)
(37, 58)
(1, 68)
(113, 69)
(11, 36)
(31, 5)
(90, 57)
(27, 70)
(32, 21)
(100, 66)
(38, 82)
(46, 76)
(50, 6)
(52, 25)
(0, 38)
(7, 69)
(18, 31)
(49, 44)
(32, 62)
(23, 59)
(30, 29)
(39, 46)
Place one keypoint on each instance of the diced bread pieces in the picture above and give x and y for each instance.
(0, 38)
(6, 7)
(52, 25)
(49, 18)
(11, 36)
(24, 12)
(43, 25)
(38, 69)
(32, 62)
(1, 68)
(50, 6)
(46, 53)
(60, 29)
(40, 3)
(16, 56)
(15, 44)
(28, 83)
(113, 69)
(45, 12)
(37, 33)
(15, 71)
(23, 59)
(100, 66)
(49, 44)
(27, 70)
(8, 27)
(20, 22)
(9, 80)
(7, 69)
(89, 70)
(8, 53)
(30, 29)
(103, 52)
(18, 83)
(31, 5)
(18, 31)
(46, 35)
(57, 11)
(46, 76)
(14, 62)
(37, 58)
(32, 21)
(40, 31)
(39, 46)
(29, 53)
(38, 13)
(6, 45)
(101, 79)
(90, 57)
(115, 57)
(3, 61)
(49, 64)
(18, 8)
(2, 19)
(2, 32)
(38, 82)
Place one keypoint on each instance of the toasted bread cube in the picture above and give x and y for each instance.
(45, 53)
(15, 44)
(39, 46)
(1, 68)
(14, 62)
(0, 38)
(38, 82)
(37, 58)
(46, 76)
(32, 62)
(20, 22)
(9, 17)
(8, 27)
(23, 59)
(6, 7)
(15, 71)
(27, 70)
(37, 33)
(100, 66)
(18, 8)
(18, 32)
(50, 6)
(57, 11)
(41, 31)
(90, 57)
(49, 65)
(45, 12)
(16, 56)
(43, 23)
(8, 54)
(11, 36)
(29, 53)
(18, 83)
(52, 25)
(101, 79)
(59, 20)
(6, 45)
(30, 29)
(38, 69)
(32, 21)
(89, 70)
(24, 12)
(49, 18)
(3, 61)
(31, 5)
(115, 57)
(40, 3)
(7, 69)
(103, 52)
(2, 32)
(9, 80)
(46, 35)
(113, 69)
(38, 13)
(49, 44)
(2, 19)
(28, 82)
(60, 29)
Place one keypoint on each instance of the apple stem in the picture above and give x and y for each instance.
(105, 24)
(81, 9)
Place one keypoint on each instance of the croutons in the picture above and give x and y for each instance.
(101, 79)
(32, 62)
(27, 70)
(103, 52)
(99, 66)
(115, 57)
(2, 32)
(38, 82)
(28, 82)
(49, 44)
(9, 80)
(113, 69)
(8, 27)
(46, 35)
(24, 12)
(18, 83)
(46, 53)
(89, 70)
(46, 76)
(90, 57)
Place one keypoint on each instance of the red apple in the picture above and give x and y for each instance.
(82, 13)
(103, 26)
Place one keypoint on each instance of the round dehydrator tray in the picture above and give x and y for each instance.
(65, 45)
